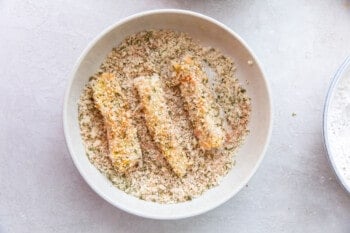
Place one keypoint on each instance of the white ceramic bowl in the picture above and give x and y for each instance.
(342, 73)
(209, 32)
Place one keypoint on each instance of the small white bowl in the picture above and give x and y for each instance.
(209, 32)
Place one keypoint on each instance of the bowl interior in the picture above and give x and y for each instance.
(208, 32)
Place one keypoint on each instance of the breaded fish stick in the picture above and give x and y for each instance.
(159, 123)
(124, 148)
(203, 111)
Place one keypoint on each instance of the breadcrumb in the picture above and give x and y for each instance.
(153, 52)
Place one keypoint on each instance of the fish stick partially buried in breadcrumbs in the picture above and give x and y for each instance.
(124, 147)
(202, 109)
(159, 122)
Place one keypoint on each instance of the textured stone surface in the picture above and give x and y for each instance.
(300, 44)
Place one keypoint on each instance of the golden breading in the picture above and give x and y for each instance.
(124, 148)
(159, 122)
(203, 112)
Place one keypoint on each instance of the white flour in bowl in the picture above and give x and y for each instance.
(339, 127)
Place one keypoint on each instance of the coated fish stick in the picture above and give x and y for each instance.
(124, 148)
(159, 123)
(203, 111)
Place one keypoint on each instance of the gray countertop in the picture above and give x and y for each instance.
(300, 44)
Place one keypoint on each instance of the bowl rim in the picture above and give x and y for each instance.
(68, 90)
(334, 82)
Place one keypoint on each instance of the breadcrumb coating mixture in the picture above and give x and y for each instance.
(151, 53)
